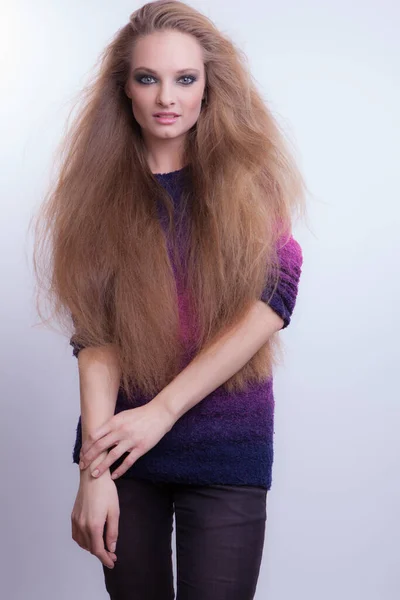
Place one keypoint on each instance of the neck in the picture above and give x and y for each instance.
(165, 155)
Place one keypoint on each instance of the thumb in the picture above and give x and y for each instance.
(112, 530)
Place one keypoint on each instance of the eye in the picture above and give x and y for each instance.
(140, 79)
(192, 77)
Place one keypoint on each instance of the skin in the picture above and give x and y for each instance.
(166, 53)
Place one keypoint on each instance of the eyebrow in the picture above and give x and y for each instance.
(155, 72)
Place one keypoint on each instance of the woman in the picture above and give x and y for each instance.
(171, 249)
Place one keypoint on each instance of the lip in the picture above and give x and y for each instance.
(166, 119)
(165, 114)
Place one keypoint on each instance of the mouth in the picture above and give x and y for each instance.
(166, 118)
(166, 115)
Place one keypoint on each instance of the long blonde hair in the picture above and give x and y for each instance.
(100, 256)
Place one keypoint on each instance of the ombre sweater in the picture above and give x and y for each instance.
(227, 438)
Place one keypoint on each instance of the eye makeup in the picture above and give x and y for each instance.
(140, 76)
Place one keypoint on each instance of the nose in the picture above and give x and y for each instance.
(165, 95)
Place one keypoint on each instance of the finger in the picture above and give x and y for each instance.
(85, 538)
(128, 462)
(106, 428)
(78, 535)
(96, 435)
(96, 448)
(112, 530)
(111, 457)
(87, 444)
(99, 447)
(97, 546)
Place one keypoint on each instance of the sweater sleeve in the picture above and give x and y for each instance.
(284, 298)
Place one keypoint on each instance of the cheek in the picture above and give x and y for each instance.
(140, 107)
(139, 102)
(191, 107)
(141, 96)
(193, 102)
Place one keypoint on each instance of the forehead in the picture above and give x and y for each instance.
(167, 52)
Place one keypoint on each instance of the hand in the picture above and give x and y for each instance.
(134, 430)
(96, 503)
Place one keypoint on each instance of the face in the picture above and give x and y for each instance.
(167, 75)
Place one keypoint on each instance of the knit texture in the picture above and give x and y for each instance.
(227, 438)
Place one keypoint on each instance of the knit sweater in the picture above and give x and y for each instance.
(227, 438)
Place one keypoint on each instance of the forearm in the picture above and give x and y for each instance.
(212, 367)
(99, 380)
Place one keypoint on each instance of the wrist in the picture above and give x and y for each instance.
(95, 462)
(166, 409)
(86, 474)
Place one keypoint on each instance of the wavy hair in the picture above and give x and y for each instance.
(100, 255)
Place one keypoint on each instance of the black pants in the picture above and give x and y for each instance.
(219, 541)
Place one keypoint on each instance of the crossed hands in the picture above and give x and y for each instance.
(96, 506)
(135, 430)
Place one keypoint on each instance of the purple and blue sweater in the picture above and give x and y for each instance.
(227, 438)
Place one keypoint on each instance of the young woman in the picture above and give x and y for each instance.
(171, 254)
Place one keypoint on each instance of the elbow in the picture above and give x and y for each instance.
(274, 321)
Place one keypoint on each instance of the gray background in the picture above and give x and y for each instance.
(330, 71)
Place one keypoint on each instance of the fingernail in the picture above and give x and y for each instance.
(95, 472)
(112, 547)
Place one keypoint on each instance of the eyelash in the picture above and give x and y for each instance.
(140, 77)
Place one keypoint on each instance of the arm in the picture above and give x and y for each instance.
(207, 371)
(96, 503)
(212, 367)
(99, 380)
(137, 430)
